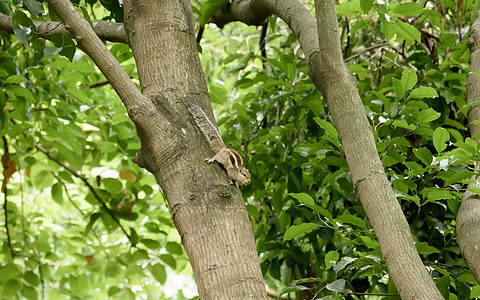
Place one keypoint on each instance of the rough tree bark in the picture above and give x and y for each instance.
(331, 76)
(338, 87)
(468, 217)
(208, 212)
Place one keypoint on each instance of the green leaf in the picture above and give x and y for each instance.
(398, 89)
(86, 16)
(158, 272)
(66, 43)
(424, 155)
(474, 190)
(23, 27)
(293, 288)
(443, 285)
(114, 290)
(78, 285)
(218, 93)
(423, 92)
(329, 129)
(468, 278)
(35, 7)
(452, 176)
(348, 8)
(454, 205)
(112, 269)
(31, 278)
(408, 9)
(174, 248)
(169, 260)
(409, 78)
(435, 194)
(152, 244)
(440, 138)
(296, 231)
(15, 79)
(29, 293)
(5, 9)
(208, 9)
(296, 285)
(427, 115)
(424, 248)
(310, 203)
(51, 51)
(11, 287)
(403, 124)
(337, 286)
(133, 236)
(20, 91)
(351, 219)
(388, 29)
(475, 292)
(241, 112)
(464, 108)
(408, 32)
(112, 185)
(366, 5)
(330, 259)
(304, 198)
(57, 193)
(20, 18)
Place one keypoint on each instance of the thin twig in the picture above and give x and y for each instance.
(82, 213)
(368, 49)
(85, 181)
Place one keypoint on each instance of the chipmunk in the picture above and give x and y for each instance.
(228, 158)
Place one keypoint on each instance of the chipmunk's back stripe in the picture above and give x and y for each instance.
(235, 158)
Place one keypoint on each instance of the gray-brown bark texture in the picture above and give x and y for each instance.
(334, 80)
(468, 218)
(208, 212)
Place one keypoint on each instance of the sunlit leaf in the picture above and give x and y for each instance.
(296, 231)
(158, 272)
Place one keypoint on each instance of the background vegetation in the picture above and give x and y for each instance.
(68, 145)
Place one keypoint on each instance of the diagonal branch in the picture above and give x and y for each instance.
(108, 31)
(245, 11)
(137, 104)
(85, 181)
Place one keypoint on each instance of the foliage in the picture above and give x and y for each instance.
(312, 233)
(307, 220)
(65, 241)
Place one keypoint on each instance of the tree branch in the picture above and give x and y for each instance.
(255, 12)
(245, 11)
(108, 31)
(7, 172)
(332, 77)
(85, 181)
(137, 105)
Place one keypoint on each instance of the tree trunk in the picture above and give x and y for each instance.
(209, 213)
(332, 77)
(468, 218)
